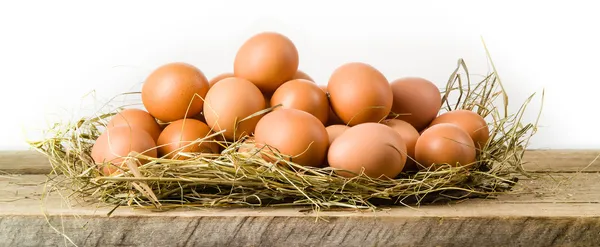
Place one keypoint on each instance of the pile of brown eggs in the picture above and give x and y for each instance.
(358, 122)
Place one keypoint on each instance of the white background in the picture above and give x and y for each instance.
(52, 53)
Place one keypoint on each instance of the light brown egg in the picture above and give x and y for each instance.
(293, 133)
(219, 77)
(374, 147)
(301, 75)
(247, 145)
(410, 136)
(417, 100)
(332, 119)
(334, 131)
(229, 102)
(303, 95)
(359, 93)
(470, 122)
(174, 89)
(268, 60)
(444, 143)
(136, 118)
(118, 142)
(184, 135)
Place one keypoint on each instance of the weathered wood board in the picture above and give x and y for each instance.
(561, 207)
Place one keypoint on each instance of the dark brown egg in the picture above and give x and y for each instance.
(334, 131)
(218, 78)
(444, 144)
(374, 147)
(416, 100)
(410, 135)
(293, 133)
(136, 118)
(185, 135)
(173, 90)
(302, 95)
(268, 60)
(301, 75)
(229, 102)
(118, 142)
(359, 93)
(470, 122)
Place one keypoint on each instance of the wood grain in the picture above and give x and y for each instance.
(564, 161)
(558, 210)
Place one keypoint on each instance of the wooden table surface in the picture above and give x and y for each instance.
(560, 208)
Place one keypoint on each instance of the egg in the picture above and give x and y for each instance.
(334, 131)
(359, 93)
(219, 77)
(301, 75)
(332, 119)
(118, 142)
(267, 59)
(173, 90)
(179, 136)
(374, 147)
(229, 102)
(247, 145)
(416, 100)
(444, 143)
(470, 122)
(296, 135)
(409, 135)
(303, 95)
(136, 118)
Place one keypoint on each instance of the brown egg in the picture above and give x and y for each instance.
(268, 60)
(334, 131)
(416, 100)
(359, 93)
(301, 75)
(247, 145)
(303, 95)
(183, 136)
(470, 122)
(218, 78)
(409, 135)
(374, 147)
(174, 89)
(136, 118)
(293, 133)
(444, 144)
(332, 119)
(117, 142)
(229, 102)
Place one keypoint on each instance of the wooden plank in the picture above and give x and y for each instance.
(562, 160)
(557, 209)
(32, 162)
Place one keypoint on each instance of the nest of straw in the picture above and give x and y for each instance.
(234, 178)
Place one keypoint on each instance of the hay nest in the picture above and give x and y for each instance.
(234, 178)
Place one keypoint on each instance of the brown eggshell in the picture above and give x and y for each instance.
(183, 136)
(268, 60)
(301, 75)
(136, 118)
(293, 133)
(416, 100)
(219, 77)
(410, 136)
(470, 122)
(303, 95)
(359, 93)
(118, 142)
(230, 101)
(375, 147)
(444, 143)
